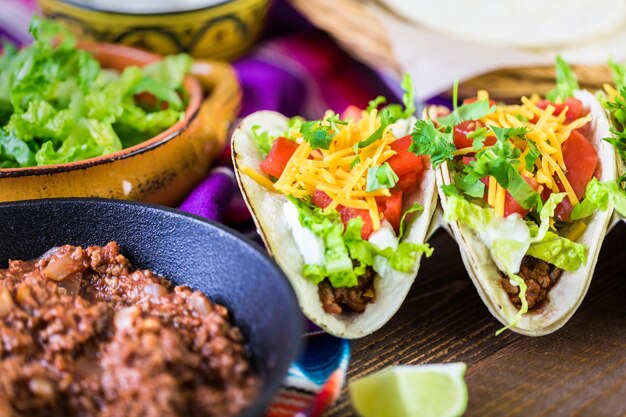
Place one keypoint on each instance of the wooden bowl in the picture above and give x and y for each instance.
(162, 169)
(219, 30)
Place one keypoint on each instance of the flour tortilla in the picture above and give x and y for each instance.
(569, 291)
(266, 208)
(519, 23)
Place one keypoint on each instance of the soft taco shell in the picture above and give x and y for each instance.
(567, 294)
(266, 208)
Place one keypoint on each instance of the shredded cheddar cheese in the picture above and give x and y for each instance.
(548, 133)
(334, 170)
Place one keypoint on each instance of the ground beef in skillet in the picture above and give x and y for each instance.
(83, 334)
(348, 299)
(539, 277)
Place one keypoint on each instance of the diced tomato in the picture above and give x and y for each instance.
(321, 199)
(352, 112)
(467, 159)
(462, 130)
(574, 108)
(408, 182)
(276, 160)
(393, 209)
(581, 161)
(404, 161)
(348, 213)
(474, 100)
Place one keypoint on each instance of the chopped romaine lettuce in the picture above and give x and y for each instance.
(415, 207)
(598, 196)
(57, 101)
(379, 177)
(566, 82)
(559, 251)
(467, 112)
(347, 254)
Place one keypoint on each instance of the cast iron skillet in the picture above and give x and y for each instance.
(207, 256)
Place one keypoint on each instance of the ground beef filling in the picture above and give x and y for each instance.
(348, 299)
(539, 277)
(83, 334)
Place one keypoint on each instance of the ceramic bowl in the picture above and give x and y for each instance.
(163, 169)
(220, 29)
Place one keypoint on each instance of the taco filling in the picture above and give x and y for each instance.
(349, 181)
(518, 181)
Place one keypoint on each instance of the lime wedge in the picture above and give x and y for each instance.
(436, 390)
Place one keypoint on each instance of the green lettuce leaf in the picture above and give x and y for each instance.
(347, 254)
(414, 208)
(403, 259)
(506, 238)
(566, 82)
(379, 177)
(522, 296)
(51, 93)
(598, 196)
(559, 251)
(467, 112)
(262, 139)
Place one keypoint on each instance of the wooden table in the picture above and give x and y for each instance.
(579, 370)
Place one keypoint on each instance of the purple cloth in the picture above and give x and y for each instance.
(213, 194)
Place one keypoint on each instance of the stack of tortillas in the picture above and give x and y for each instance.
(506, 46)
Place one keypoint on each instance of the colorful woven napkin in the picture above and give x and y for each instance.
(296, 70)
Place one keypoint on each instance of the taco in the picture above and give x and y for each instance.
(513, 182)
(342, 205)
(614, 101)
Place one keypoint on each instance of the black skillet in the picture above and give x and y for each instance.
(189, 250)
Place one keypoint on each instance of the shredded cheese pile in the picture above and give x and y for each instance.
(331, 170)
(548, 134)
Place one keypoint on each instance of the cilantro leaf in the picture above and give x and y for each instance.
(392, 112)
(450, 190)
(319, 137)
(566, 81)
(531, 156)
(428, 140)
(478, 137)
(380, 177)
(467, 112)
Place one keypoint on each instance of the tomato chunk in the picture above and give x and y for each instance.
(462, 130)
(276, 160)
(321, 199)
(348, 213)
(393, 209)
(351, 112)
(581, 161)
(474, 100)
(408, 182)
(405, 161)
(574, 108)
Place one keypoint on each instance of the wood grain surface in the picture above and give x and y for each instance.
(580, 370)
